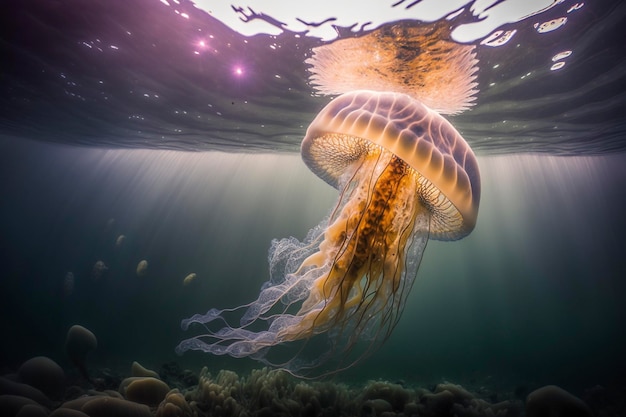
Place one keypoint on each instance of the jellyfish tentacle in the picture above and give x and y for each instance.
(351, 278)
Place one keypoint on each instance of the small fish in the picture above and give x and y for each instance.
(119, 241)
(189, 278)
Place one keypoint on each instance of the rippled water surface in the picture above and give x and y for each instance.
(147, 74)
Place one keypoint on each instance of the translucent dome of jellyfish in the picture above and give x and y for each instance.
(404, 175)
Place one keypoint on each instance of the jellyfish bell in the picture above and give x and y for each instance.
(404, 175)
(358, 123)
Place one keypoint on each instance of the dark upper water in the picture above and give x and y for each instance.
(97, 97)
(137, 75)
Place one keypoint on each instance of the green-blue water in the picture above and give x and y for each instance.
(534, 296)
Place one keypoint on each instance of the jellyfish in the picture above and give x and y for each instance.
(404, 175)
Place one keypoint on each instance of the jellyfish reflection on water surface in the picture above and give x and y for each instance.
(404, 174)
